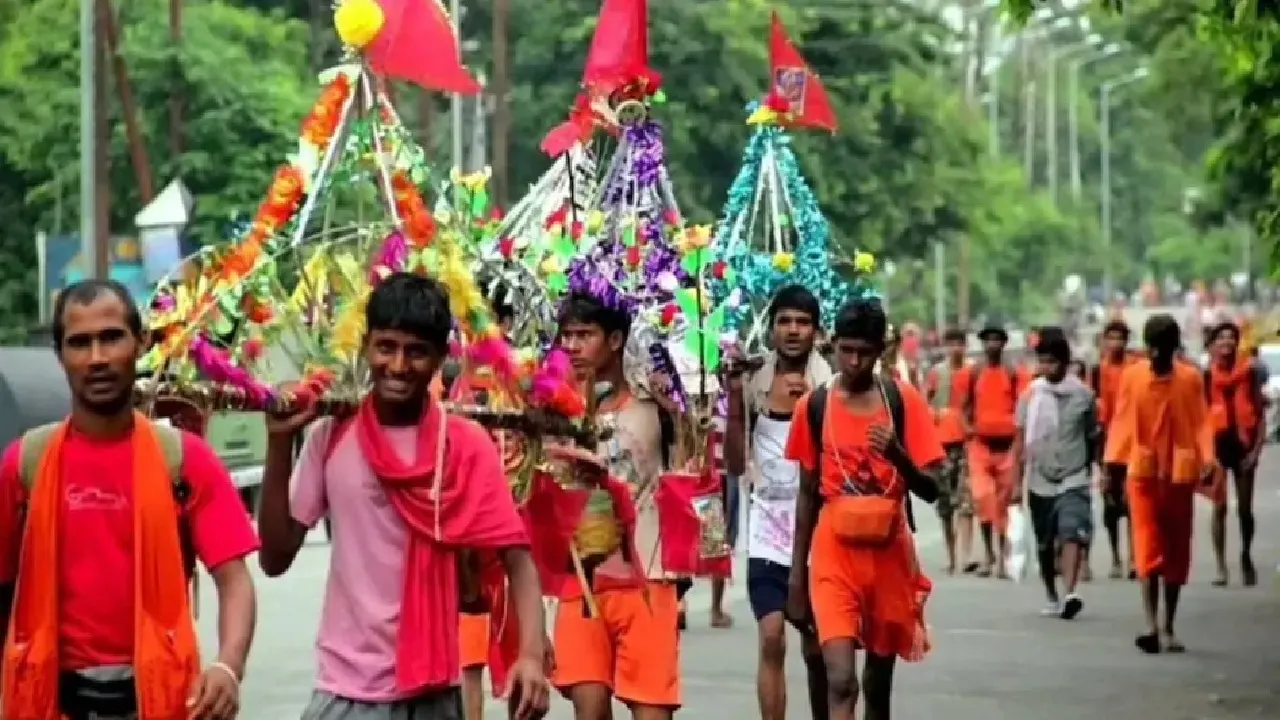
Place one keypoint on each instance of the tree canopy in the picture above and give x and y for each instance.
(910, 167)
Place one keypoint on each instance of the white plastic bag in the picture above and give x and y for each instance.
(1019, 547)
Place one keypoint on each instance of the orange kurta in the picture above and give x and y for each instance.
(950, 418)
(1160, 431)
(991, 461)
(1107, 384)
(873, 595)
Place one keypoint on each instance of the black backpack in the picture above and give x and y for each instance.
(817, 412)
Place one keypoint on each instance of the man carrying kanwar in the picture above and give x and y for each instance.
(1161, 432)
(408, 486)
(1237, 411)
(990, 403)
(761, 406)
(862, 441)
(945, 388)
(102, 517)
(1113, 360)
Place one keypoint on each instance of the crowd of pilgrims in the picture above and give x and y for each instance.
(824, 447)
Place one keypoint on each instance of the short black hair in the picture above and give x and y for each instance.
(587, 310)
(84, 293)
(955, 335)
(862, 319)
(1053, 342)
(499, 294)
(412, 304)
(1217, 330)
(1116, 326)
(798, 298)
(1162, 334)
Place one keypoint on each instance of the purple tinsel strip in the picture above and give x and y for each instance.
(643, 142)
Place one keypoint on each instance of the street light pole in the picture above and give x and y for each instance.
(455, 102)
(1073, 117)
(1051, 106)
(1108, 88)
(88, 151)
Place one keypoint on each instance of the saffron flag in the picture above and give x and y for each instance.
(418, 44)
(619, 51)
(794, 81)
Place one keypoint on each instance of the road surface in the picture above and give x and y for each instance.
(994, 657)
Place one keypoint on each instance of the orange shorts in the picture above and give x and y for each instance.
(991, 476)
(473, 637)
(873, 596)
(633, 648)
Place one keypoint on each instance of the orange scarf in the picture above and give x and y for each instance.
(1231, 398)
(166, 652)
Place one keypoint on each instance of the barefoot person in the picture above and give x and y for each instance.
(102, 517)
(407, 485)
(861, 442)
(1106, 375)
(630, 650)
(759, 422)
(1057, 429)
(1160, 432)
(945, 388)
(1237, 411)
(992, 397)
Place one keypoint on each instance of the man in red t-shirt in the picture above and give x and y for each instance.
(93, 498)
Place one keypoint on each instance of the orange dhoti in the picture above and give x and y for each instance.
(1162, 516)
(873, 595)
(991, 476)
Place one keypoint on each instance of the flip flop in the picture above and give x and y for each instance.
(723, 621)
(1148, 643)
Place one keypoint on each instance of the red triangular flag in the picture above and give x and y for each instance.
(619, 51)
(417, 43)
(794, 81)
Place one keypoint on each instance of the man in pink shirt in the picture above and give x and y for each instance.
(406, 486)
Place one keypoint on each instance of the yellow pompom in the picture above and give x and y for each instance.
(358, 22)
(783, 261)
(864, 262)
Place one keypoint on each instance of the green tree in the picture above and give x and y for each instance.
(242, 73)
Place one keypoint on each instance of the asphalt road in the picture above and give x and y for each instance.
(994, 657)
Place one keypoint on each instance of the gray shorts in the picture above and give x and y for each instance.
(443, 705)
(1062, 518)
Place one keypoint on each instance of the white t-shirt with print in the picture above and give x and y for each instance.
(772, 518)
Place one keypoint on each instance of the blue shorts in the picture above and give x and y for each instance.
(767, 583)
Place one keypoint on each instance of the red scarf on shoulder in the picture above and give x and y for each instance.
(444, 510)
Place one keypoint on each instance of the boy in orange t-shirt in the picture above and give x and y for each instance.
(855, 578)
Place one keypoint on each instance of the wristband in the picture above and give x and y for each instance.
(235, 679)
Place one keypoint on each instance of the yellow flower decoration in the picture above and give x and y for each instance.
(358, 22)
(595, 221)
(864, 262)
(783, 261)
(474, 181)
(695, 238)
